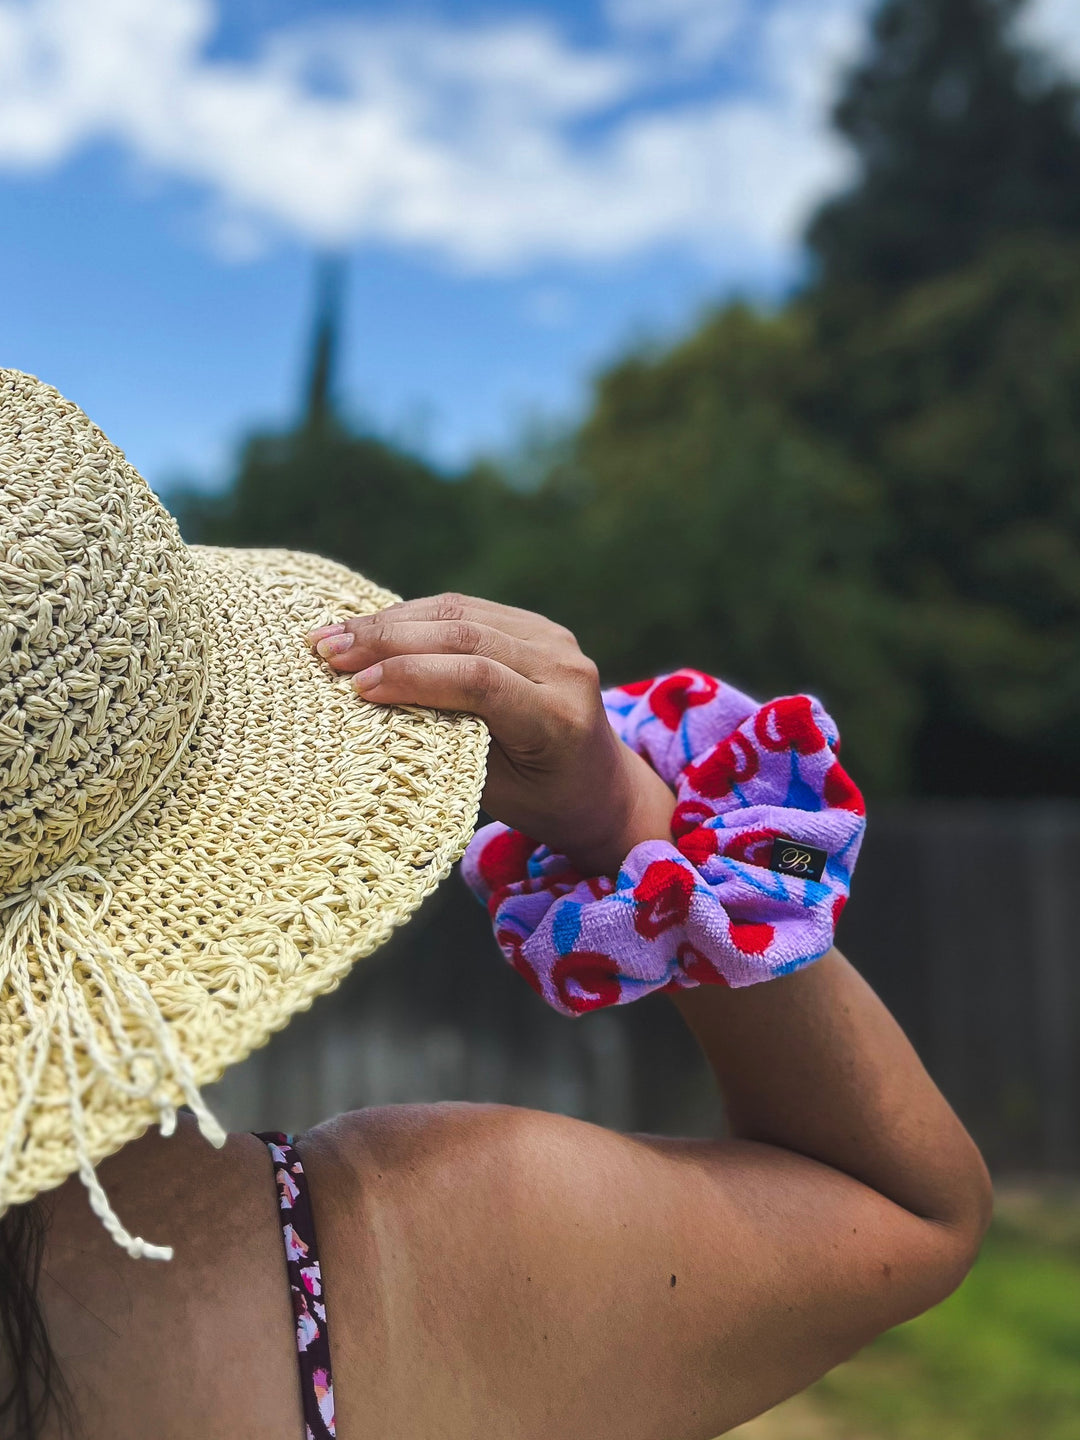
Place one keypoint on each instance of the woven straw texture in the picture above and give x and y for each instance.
(281, 829)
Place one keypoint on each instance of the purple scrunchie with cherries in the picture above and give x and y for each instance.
(706, 909)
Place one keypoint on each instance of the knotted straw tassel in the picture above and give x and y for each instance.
(55, 929)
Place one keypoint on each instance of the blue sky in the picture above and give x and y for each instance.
(522, 189)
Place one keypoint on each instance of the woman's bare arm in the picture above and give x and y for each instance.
(816, 1064)
(539, 1276)
(529, 1275)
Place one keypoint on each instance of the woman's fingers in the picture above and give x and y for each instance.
(554, 752)
(454, 608)
(358, 647)
(508, 703)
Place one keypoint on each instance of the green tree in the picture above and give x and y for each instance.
(352, 498)
(962, 397)
(698, 521)
(960, 134)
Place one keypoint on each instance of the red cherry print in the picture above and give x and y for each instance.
(749, 847)
(504, 858)
(526, 971)
(688, 816)
(700, 845)
(732, 762)
(496, 898)
(841, 792)
(512, 941)
(838, 909)
(637, 687)
(594, 972)
(529, 885)
(678, 693)
(663, 897)
(752, 937)
(695, 966)
(789, 724)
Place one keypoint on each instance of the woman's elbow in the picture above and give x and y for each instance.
(957, 1237)
(970, 1227)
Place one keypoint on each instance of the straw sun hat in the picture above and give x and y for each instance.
(201, 827)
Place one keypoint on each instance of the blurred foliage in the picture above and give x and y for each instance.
(961, 135)
(701, 521)
(962, 396)
(353, 498)
(871, 492)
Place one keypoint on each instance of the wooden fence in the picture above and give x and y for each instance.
(965, 919)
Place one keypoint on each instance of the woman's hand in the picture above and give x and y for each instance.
(557, 771)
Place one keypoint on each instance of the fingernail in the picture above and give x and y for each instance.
(369, 678)
(334, 645)
(321, 631)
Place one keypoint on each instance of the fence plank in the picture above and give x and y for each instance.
(1053, 847)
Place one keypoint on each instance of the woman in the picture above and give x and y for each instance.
(207, 821)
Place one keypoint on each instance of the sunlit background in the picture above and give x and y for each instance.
(742, 334)
(523, 189)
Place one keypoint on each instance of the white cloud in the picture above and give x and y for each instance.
(494, 145)
(696, 29)
(805, 49)
(1054, 24)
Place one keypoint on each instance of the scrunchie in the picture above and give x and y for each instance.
(706, 909)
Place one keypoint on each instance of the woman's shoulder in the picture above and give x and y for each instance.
(495, 1269)
(401, 1138)
(430, 1173)
(414, 1160)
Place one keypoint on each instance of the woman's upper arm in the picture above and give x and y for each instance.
(533, 1275)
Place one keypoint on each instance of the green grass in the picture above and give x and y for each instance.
(999, 1360)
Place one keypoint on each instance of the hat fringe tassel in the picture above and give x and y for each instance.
(52, 956)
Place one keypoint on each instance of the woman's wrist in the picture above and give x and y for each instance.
(642, 812)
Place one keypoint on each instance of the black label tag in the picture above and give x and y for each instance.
(792, 857)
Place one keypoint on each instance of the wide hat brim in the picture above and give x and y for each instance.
(298, 828)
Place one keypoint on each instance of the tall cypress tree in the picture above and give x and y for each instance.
(961, 135)
(321, 486)
(319, 409)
